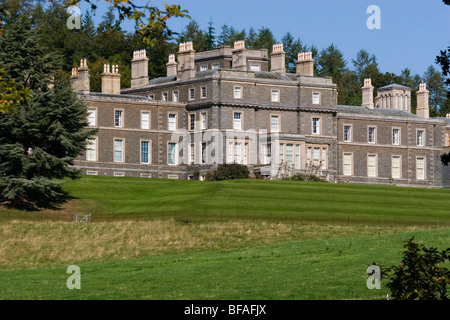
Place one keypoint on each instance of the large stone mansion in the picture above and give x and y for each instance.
(226, 106)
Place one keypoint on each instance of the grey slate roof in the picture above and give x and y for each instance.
(162, 80)
(394, 86)
(376, 112)
(275, 76)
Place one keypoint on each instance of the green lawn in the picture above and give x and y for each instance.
(317, 242)
(311, 269)
(106, 196)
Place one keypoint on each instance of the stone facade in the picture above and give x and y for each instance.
(224, 106)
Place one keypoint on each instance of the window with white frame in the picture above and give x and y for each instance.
(324, 161)
(204, 123)
(175, 96)
(274, 123)
(151, 96)
(281, 152)
(420, 168)
(92, 116)
(203, 90)
(275, 96)
(372, 134)
(172, 122)
(118, 150)
(237, 94)
(267, 153)
(192, 121)
(91, 149)
(396, 136)
(230, 153)
(347, 133)
(203, 67)
(237, 120)
(316, 156)
(316, 98)
(420, 138)
(371, 165)
(297, 156)
(118, 118)
(245, 154)
(165, 96)
(215, 66)
(238, 152)
(191, 94)
(145, 152)
(192, 153)
(396, 166)
(347, 164)
(289, 154)
(203, 152)
(308, 155)
(172, 153)
(145, 120)
(316, 125)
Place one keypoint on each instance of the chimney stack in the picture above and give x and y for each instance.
(171, 66)
(186, 61)
(111, 79)
(278, 59)
(423, 109)
(367, 94)
(139, 69)
(80, 77)
(305, 64)
(239, 56)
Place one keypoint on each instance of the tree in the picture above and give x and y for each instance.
(436, 85)
(210, 40)
(420, 275)
(292, 48)
(331, 63)
(192, 32)
(443, 59)
(229, 35)
(150, 21)
(366, 66)
(39, 137)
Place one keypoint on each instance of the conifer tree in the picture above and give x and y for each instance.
(41, 136)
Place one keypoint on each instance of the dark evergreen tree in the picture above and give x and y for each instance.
(436, 85)
(192, 32)
(210, 40)
(331, 63)
(292, 48)
(39, 137)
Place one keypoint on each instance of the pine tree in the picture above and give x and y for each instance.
(331, 63)
(210, 36)
(39, 137)
(292, 48)
(436, 85)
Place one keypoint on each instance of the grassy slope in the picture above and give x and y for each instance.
(310, 269)
(313, 268)
(255, 198)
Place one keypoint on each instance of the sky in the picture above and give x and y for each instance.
(411, 32)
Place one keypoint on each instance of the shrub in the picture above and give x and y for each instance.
(304, 177)
(420, 275)
(230, 171)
